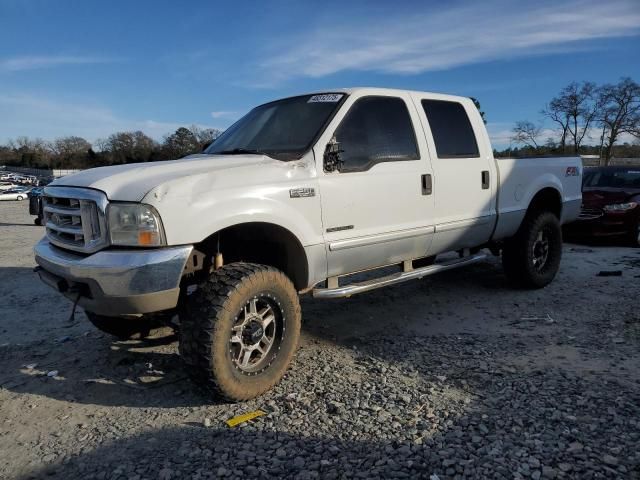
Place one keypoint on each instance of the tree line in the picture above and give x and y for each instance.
(587, 119)
(121, 147)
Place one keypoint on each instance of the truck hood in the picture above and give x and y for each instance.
(131, 182)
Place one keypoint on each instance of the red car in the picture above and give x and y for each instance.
(610, 205)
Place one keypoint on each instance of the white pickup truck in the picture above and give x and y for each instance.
(295, 197)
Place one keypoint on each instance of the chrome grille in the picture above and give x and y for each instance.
(588, 213)
(75, 218)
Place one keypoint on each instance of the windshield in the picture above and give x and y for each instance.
(613, 179)
(284, 129)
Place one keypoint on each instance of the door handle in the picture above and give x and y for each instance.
(427, 184)
(485, 179)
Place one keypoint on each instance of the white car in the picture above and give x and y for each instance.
(13, 195)
(296, 197)
(7, 186)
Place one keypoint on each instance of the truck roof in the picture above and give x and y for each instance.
(384, 91)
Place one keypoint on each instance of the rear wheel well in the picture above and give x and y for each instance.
(261, 243)
(546, 200)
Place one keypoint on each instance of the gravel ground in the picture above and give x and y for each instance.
(453, 376)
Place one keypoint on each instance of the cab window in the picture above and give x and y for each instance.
(451, 129)
(376, 129)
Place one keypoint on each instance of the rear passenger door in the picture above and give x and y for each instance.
(375, 210)
(463, 173)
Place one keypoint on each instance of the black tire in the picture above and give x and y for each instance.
(123, 328)
(528, 261)
(20, 198)
(38, 221)
(633, 237)
(215, 324)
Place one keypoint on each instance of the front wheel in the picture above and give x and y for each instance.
(20, 198)
(240, 329)
(531, 258)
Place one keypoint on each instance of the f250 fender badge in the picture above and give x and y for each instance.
(302, 192)
(572, 172)
(339, 229)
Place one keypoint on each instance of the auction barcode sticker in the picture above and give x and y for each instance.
(325, 97)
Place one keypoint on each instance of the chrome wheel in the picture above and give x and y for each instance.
(540, 250)
(256, 334)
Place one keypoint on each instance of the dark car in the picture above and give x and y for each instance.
(35, 204)
(610, 205)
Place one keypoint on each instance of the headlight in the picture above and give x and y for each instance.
(135, 224)
(620, 207)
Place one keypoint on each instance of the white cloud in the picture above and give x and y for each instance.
(17, 64)
(428, 39)
(223, 114)
(33, 116)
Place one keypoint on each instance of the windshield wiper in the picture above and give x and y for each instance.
(240, 151)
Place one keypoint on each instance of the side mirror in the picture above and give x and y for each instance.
(332, 160)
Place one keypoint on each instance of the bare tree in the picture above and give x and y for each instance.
(526, 133)
(574, 110)
(556, 112)
(619, 113)
(582, 106)
(128, 147)
(70, 151)
(204, 136)
(31, 152)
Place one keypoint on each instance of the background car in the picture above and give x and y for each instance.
(13, 195)
(610, 205)
(7, 186)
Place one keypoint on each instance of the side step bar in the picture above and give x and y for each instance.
(394, 278)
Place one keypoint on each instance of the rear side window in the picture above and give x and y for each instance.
(451, 129)
(376, 129)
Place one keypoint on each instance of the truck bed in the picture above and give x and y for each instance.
(521, 178)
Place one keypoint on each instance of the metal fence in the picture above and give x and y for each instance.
(39, 172)
(595, 162)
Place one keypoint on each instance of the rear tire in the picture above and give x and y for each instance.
(240, 329)
(531, 257)
(123, 328)
(633, 239)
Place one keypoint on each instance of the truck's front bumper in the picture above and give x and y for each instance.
(115, 282)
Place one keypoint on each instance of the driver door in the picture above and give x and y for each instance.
(377, 207)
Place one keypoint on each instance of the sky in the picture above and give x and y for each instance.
(90, 68)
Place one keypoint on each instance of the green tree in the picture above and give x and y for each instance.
(476, 102)
(180, 143)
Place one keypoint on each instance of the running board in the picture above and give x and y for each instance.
(394, 278)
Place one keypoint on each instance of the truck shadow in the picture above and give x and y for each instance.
(92, 368)
(95, 369)
(4, 224)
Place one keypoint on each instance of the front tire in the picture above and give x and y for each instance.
(531, 258)
(240, 329)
